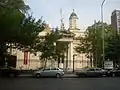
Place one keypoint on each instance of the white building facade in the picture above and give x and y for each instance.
(72, 60)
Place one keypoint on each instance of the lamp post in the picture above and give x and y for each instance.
(74, 61)
(103, 53)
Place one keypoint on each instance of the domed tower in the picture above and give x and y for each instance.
(73, 19)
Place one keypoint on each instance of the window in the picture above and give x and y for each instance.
(46, 69)
(91, 69)
(98, 69)
(54, 69)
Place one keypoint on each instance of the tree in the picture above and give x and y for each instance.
(113, 49)
(48, 47)
(91, 44)
(23, 32)
(27, 36)
(61, 49)
(14, 4)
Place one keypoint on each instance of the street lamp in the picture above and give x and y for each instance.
(102, 31)
(74, 61)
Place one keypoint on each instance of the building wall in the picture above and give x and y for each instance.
(33, 61)
(81, 60)
(115, 20)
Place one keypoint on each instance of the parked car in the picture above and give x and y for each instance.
(49, 72)
(9, 71)
(91, 72)
(114, 72)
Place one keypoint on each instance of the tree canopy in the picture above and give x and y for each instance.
(14, 4)
(48, 46)
(112, 49)
(91, 44)
(18, 28)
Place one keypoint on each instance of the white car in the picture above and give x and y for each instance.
(49, 72)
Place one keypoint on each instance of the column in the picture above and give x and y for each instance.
(70, 55)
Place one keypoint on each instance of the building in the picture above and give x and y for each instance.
(115, 20)
(27, 60)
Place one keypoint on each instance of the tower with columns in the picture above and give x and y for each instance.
(75, 60)
(73, 19)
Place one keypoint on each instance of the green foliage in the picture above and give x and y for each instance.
(113, 49)
(27, 34)
(62, 47)
(14, 4)
(22, 32)
(91, 44)
(18, 28)
(48, 47)
(51, 48)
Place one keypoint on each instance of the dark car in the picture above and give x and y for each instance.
(9, 71)
(91, 72)
(114, 72)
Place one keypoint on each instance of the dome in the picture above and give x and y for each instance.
(73, 15)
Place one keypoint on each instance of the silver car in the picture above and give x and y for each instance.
(91, 72)
(49, 72)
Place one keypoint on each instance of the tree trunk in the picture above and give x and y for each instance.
(91, 61)
(3, 50)
(67, 58)
(58, 61)
(45, 59)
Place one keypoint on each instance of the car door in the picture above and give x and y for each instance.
(91, 72)
(98, 71)
(45, 72)
(53, 71)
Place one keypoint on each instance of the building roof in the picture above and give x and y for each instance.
(114, 12)
(73, 14)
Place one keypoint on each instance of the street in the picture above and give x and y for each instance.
(22, 83)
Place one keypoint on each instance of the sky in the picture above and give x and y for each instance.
(86, 10)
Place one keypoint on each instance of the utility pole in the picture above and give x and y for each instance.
(103, 54)
(95, 43)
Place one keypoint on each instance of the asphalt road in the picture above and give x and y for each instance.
(105, 83)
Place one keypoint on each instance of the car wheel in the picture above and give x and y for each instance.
(15, 75)
(113, 74)
(58, 75)
(12, 75)
(79, 75)
(38, 75)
